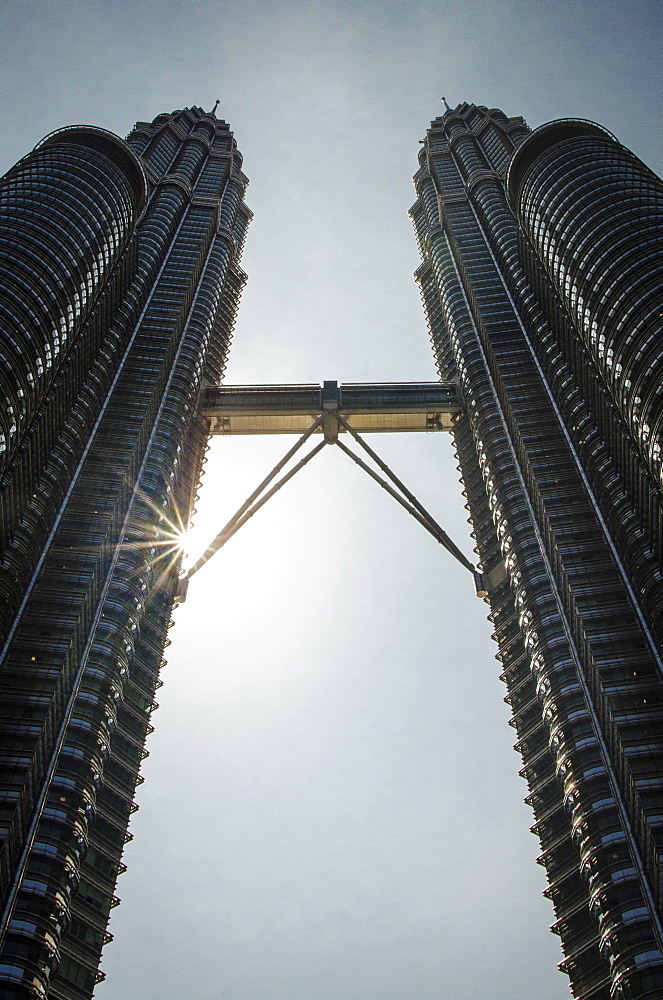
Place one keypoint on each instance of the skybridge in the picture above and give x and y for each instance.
(332, 410)
(290, 409)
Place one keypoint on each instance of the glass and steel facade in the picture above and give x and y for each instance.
(537, 261)
(118, 293)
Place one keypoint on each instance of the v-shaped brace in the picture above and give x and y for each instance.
(330, 423)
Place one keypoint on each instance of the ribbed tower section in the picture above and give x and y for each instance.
(68, 214)
(592, 213)
(90, 565)
(576, 638)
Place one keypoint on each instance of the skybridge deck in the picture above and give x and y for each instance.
(291, 409)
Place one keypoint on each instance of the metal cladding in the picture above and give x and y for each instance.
(546, 319)
(593, 212)
(67, 213)
(119, 296)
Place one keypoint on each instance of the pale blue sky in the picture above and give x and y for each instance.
(332, 809)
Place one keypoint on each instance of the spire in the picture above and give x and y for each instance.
(446, 106)
(213, 111)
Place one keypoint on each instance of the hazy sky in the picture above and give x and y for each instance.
(332, 809)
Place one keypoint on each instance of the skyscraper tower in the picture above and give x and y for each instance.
(541, 286)
(120, 281)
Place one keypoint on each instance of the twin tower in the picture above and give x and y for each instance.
(541, 281)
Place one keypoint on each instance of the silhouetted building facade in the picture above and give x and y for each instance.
(119, 285)
(541, 280)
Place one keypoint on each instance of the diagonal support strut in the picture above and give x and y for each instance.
(253, 504)
(431, 526)
(424, 517)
